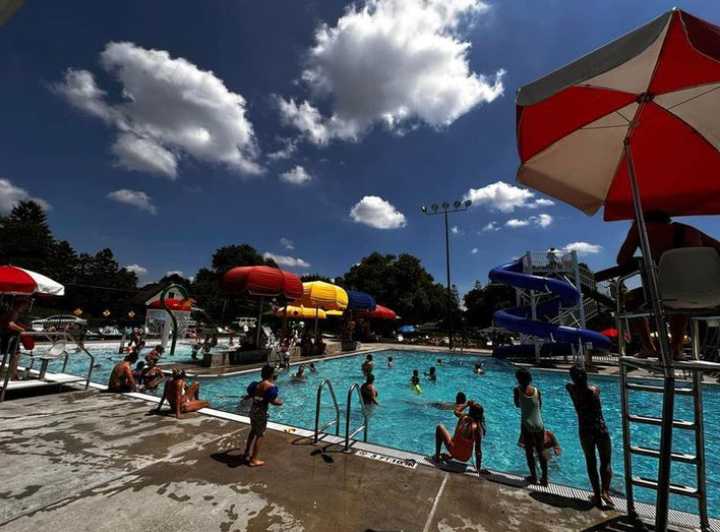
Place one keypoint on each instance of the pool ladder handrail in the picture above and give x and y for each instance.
(336, 421)
(52, 337)
(364, 426)
(699, 492)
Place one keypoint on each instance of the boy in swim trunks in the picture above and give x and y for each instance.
(469, 433)
(263, 394)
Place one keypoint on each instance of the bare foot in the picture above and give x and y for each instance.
(607, 500)
(596, 501)
(544, 481)
(531, 480)
(256, 463)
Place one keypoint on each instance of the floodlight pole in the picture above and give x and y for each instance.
(445, 208)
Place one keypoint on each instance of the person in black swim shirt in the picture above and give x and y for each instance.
(593, 433)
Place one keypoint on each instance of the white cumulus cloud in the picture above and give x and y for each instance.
(288, 149)
(474, 251)
(11, 195)
(515, 222)
(391, 62)
(136, 269)
(504, 197)
(296, 176)
(455, 230)
(169, 109)
(136, 198)
(541, 220)
(378, 213)
(583, 248)
(287, 243)
(284, 260)
(491, 226)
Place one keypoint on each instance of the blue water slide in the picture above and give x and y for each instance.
(519, 319)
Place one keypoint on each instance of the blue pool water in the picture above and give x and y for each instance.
(406, 420)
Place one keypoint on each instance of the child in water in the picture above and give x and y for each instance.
(390, 362)
(415, 381)
(431, 374)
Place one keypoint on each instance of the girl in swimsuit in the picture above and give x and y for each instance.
(469, 433)
(593, 433)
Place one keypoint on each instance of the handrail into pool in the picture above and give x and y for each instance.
(364, 426)
(52, 337)
(336, 421)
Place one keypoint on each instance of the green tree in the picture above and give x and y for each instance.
(25, 237)
(482, 301)
(401, 283)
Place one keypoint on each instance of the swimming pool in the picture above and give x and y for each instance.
(406, 420)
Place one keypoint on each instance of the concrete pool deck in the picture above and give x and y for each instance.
(98, 461)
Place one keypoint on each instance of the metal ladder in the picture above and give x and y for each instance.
(696, 425)
(336, 421)
(364, 427)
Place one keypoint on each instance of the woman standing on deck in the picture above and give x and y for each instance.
(593, 433)
(532, 430)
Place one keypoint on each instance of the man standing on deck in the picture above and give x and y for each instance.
(10, 331)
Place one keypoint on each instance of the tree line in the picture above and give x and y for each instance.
(98, 284)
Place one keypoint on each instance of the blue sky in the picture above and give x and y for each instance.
(130, 160)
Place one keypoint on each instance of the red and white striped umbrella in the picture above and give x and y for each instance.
(654, 93)
(22, 282)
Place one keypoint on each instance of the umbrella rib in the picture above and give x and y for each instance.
(693, 98)
(608, 127)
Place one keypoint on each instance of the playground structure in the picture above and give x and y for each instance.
(169, 316)
(555, 298)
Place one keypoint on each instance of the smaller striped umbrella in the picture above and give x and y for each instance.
(21, 282)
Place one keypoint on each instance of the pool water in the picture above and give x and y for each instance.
(406, 420)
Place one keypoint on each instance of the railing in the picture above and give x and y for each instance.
(53, 337)
(336, 421)
(364, 427)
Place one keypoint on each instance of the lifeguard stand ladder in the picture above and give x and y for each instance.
(696, 425)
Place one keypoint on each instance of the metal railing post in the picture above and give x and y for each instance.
(318, 429)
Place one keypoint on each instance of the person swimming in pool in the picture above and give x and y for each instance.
(313, 368)
(458, 407)
(479, 369)
(432, 374)
(368, 365)
(300, 375)
(368, 392)
(415, 381)
(469, 433)
(390, 364)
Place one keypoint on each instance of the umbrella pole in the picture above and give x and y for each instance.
(317, 312)
(663, 494)
(259, 323)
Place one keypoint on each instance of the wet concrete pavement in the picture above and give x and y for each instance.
(91, 461)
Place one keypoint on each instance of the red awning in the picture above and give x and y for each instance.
(380, 313)
(173, 304)
(262, 281)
